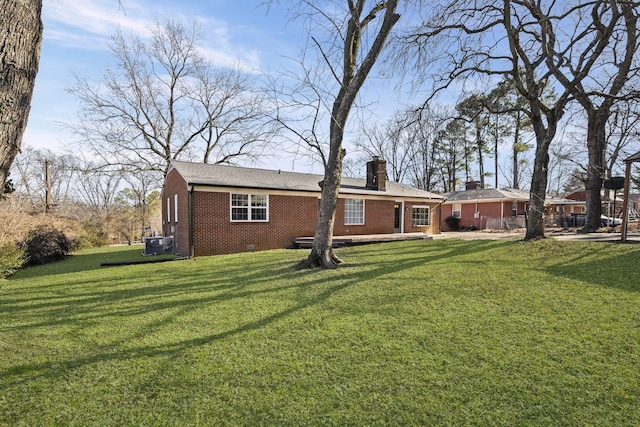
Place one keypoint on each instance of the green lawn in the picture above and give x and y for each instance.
(420, 333)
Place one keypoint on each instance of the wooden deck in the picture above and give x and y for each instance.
(338, 241)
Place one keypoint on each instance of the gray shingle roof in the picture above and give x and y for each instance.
(232, 176)
(502, 194)
(488, 194)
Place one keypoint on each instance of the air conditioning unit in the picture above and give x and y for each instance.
(157, 245)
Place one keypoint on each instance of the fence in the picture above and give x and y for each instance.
(508, 223)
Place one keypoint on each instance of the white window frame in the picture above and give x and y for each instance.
(514, 208)
(249, 207)
(413, 216)
(168, 209)
(175, 208)
(456, 208)
(353, 211)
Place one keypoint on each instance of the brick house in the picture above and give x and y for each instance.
(500, 209)
(216, 209)
(486, 208)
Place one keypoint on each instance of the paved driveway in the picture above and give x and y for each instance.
(489, 235)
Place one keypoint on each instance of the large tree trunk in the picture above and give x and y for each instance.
(19, 55)
(322, 254)
(596, 145)
(535, 217)
(353, 78)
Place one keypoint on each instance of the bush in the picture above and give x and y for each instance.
(453, 223)
(11, 258)
(45, 244)
(91, 236)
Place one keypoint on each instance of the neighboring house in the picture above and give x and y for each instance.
(486, 208)
(500, 209)
(214, 209)
(609, 206)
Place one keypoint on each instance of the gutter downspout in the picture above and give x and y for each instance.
(444, 199)
(191, 245)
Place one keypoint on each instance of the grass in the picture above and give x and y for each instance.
(441, 332)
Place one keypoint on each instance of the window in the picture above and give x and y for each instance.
(175, 208)
(249, 207)
(168, 209)
(420, 216)
(514, 208)
(457, 210)
(353, 211)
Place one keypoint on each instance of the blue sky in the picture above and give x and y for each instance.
(77, 35)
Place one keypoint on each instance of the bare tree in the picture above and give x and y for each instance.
(527, 42)
(392, 142)
(165, 101)
(20, 41)
(424, 127)
(622, 134)
(352, 34)
(602, 56)
(44, 179)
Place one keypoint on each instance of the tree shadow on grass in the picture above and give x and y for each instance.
(88, 260)
(614, 269)
(197, 291)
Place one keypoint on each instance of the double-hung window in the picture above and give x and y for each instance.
(456, 210)
(420, 216)
(353, 211)
(249, 207)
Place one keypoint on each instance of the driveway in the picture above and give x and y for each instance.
(479, 235)
(559, 235)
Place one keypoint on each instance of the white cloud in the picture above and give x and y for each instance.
(96, 17)
(90, 24)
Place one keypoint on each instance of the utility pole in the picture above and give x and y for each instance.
(47, 185)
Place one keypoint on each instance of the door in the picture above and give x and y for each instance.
(397, 218)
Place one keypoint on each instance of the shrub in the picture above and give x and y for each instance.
(453, 223)
(91, 236)
(45, 244)
(11, 258)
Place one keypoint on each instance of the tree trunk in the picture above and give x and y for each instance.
(353, 77)
(537, 194)
(596, 144)
(19, 55)
(322, 254)
(516, 148)
(480, 144)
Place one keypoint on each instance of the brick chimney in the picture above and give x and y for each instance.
(472, 185)
(377, 174)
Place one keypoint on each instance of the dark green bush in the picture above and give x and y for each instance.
(45, 244)
(11, 258)
(453, 223)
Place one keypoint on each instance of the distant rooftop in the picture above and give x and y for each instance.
(233, 176)
(488, 194)
(502, 194)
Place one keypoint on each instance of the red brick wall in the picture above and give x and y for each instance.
(214, 233)
(378, 219)
(435, 219)
(175, 184)
(486, 210)
(289, 217)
